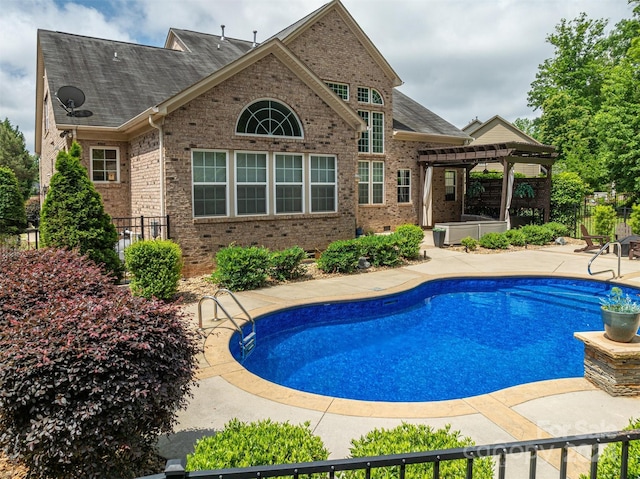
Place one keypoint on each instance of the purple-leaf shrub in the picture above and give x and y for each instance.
(90, 374)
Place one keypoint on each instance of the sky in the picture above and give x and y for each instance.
(462, 59)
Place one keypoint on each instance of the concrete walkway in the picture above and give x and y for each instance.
(537, 410)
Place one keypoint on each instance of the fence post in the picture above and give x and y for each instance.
(175, 469)
(142, 227)
(168, 231)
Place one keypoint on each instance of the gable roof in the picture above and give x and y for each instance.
(290, 33)
(412, 121)
(497, 129)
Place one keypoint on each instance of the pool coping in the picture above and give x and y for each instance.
(221, 363)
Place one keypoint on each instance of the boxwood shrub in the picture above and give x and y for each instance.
(557, 229)
(494, 241)
(241, 269)
(91, 375)
(417, 438)
(287, 264)
(469, 243)
(340, 257)
(260, 443)
(408, 238)
(515, 237)
(537, 234)
(156, 266)
(381, 250)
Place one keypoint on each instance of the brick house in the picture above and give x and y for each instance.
(276, 144)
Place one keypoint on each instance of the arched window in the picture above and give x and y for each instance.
(269, 117)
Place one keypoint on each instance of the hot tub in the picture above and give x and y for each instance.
(456, 230)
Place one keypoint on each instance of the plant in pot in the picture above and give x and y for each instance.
(621, 316)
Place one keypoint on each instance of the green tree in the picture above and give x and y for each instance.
(567, 193)
(13, 218)
(14, 155)
(529, 126)
(73, 214)
(588, 95)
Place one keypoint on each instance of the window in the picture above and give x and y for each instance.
(288, 183)
(372, 140)
(105, 165)
(369, 95)
(323, 183)
(251, 183)
(449, 185)
(269, 117)
(340, 89)
(209, 170)
(404, 186)
(371, 183)
(45, 109)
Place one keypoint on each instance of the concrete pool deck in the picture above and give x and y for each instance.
(531, 411)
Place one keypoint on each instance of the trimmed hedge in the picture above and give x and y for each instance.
(340, 257)
(417, 438)
(515, 237)
(381, 250)
(156, 266)
(537, 234)
(408, 238)
(494, 241)
(469, 243)
(260, 443)
(91, 375)
(286, 264)
(241, 269)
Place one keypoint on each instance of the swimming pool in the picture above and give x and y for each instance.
(445, 339)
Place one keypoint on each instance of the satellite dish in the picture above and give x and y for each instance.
(80, 113)
(70, 97)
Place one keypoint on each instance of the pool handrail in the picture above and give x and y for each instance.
(606, 247)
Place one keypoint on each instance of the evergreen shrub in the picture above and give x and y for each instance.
(155, 266)
(634, 219)
(287, 264)
(260, 443)
(13, 218)
(340, 257)
(469, 243)
(241, 269)
(381, 250)
(73, 214)
(407, 438)
(515, 237)
(409, 238)
(537, 234)
(557, 229)
(494, 241)
(604, 220)
(91, 375)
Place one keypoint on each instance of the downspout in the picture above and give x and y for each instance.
(159, 127)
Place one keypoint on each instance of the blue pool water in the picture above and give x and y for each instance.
(444, 339)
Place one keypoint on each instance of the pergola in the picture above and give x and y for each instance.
(508, 153)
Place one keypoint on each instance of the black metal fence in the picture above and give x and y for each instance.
(135, 228)
(401, 462)
(584, 214)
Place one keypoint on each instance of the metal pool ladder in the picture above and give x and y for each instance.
(606, 247)
(247, 342)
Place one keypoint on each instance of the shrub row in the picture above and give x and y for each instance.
(380, 250)
(91, 375)
(268, 443)
(528, 234)
(241, 269)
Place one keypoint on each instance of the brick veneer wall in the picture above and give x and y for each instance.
(209, 122)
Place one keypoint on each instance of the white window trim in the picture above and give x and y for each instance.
(370, 96)
(409, 186)
(276, 183)
(311, 184)
(255, 135)
(236, 183)
(369, 122)
(455, 184)
(227, 184)
(370, 184)
(329, 83)
(105, 182)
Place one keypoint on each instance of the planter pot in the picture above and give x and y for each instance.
(620, 327)
(438, 238)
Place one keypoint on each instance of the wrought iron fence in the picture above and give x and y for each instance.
(584, 215)
(401, 462)
(134, 228)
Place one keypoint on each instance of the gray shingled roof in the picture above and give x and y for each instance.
(119, 88)
(409, 115)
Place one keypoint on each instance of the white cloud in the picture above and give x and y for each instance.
(460, 58)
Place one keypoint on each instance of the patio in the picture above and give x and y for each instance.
(545, 409)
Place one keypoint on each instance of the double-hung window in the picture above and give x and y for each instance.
(371, 182)
(372, 140)
(404, 186)
(340, 89)
(105, 164)
(289, 182)
(323, 183)
(449, 185)
(251, 183)
(209, 183)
